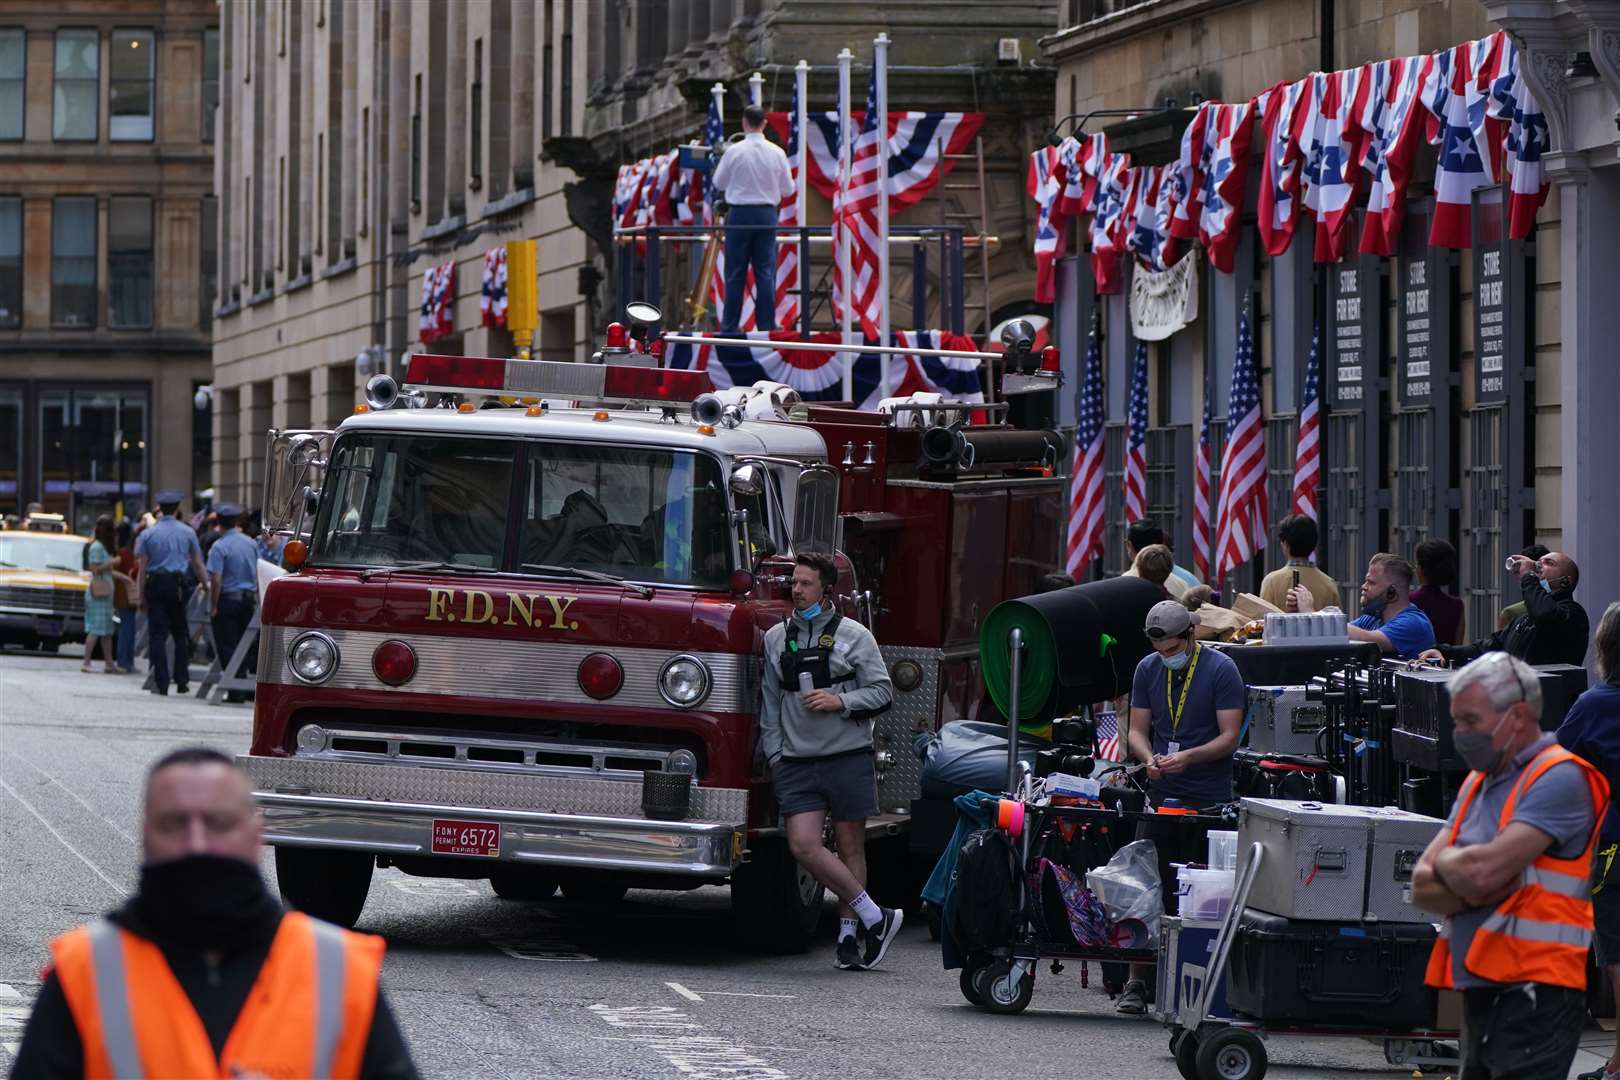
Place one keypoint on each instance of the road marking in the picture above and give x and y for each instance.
(683, 991)
(73, 795)
(681, 1041)
(26, 805)
(9, 992)
(13, 1018)
(542, 946)
(739, 993)
(434, 887)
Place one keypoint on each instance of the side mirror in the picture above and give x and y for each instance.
(747, 481)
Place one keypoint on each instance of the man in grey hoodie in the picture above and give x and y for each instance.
(824, 680)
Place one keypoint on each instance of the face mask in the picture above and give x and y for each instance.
(1546, 586)
(1375, 606)
(809, 613)
(1476, 749)
(203, 899)
(1178, 661)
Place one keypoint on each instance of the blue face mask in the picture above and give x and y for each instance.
(1178, 661)
(809, 613)
(1546, 586)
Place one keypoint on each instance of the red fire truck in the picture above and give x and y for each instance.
(545, 581)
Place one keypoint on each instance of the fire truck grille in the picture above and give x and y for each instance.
(483, 751)
(473, 789)
(42, 599)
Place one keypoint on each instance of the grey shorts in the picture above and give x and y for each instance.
(1606, 908)
(844, 785)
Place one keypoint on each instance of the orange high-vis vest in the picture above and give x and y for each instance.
(1541, 932)
(308, 1014)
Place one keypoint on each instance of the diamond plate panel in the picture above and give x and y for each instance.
(496, 791)
(504, 668)
(912, 714)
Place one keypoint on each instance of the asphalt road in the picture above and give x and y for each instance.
(488, 988)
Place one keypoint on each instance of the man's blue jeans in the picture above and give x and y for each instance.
(750, 247)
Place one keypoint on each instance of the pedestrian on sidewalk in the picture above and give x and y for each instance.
(164, 553)
(824, 681)
(1510, 872)
(98, 596)
(202, 973)
(126, 598)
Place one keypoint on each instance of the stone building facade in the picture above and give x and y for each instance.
(363, 142)
(1489, 475)
(106, 251)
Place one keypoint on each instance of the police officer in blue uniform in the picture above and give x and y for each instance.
(163, 553)
(233, 588)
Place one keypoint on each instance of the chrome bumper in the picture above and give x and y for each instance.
(557, 821)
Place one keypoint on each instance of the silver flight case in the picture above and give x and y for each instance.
(1331, 862)
(1281, 721)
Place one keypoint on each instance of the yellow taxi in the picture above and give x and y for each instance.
(42, 588)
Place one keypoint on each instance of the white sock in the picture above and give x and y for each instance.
(846, 929)
(869, 913)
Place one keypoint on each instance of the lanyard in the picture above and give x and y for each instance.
(1174, 706)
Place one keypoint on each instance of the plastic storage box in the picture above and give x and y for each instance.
(1222, 849)
(1354, 974)
(1205, 894)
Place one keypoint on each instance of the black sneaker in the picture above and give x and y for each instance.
(879, 937)
(1133, 1000)
(183, 689)
(848, 954)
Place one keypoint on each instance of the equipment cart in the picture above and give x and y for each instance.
(1211, 1043)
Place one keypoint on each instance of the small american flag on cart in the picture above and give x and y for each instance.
(1108, 748)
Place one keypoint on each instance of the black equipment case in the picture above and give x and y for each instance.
(1361, 974)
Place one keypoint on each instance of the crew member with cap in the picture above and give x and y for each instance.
(1187, 705)
(162, 555)
(233, 588)
(1554, 626)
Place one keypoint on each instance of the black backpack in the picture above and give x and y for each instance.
(987, 914)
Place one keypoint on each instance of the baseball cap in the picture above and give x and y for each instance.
(1169, 618)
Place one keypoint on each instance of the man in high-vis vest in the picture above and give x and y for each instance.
(1510, 873)
(161, 987)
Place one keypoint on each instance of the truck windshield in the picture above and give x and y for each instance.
(641, 513)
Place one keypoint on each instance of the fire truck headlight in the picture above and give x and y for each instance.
(684, 681)
(313, 657)
(681, 761)
(312, 738)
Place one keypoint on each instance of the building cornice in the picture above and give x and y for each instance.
(1075, 41)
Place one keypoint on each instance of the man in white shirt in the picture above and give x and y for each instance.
(755, 177)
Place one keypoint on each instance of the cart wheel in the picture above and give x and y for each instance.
(1176, 1034)
(1005, 989)
(969, 991)
(1231, 1054)
(1185, 1047)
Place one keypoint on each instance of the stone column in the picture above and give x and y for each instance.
(680, 26)
(697, 26)
(523, 100)
(457, 128)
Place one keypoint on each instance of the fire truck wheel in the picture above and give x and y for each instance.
(329, 885)
(777, 901)
(522, 883)
(593, 889)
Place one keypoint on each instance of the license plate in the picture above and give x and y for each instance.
(452, 837)
(48, 627)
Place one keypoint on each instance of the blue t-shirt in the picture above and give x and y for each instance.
(234, 559)
(1410, 632)
(1591, 729)
(1216, 685)
(168, 546)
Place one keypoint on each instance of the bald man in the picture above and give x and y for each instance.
(1553, 628)
(199, 933)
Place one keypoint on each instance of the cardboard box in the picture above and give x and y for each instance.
(1251, 607)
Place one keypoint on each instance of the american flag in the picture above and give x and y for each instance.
(1108, 748)
(1308, 448)
(438, 302)
(1086, 484)
(787, 255)
(1136, 440)
(1201, 465)
(855, 209)
(492, 300)
(1240, 514)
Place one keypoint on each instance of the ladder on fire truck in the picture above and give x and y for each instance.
(949, 214)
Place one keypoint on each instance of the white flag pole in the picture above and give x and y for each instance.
(756, 88)
(844, 59)
(801, 76)
(880, 66)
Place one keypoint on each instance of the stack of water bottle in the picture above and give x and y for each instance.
(1306, 628)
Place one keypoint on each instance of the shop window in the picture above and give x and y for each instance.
(11, 435)
(75, 116)
(93, 452)
(13, 68)
(10, 261)
(73, 261)
(129, 91)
